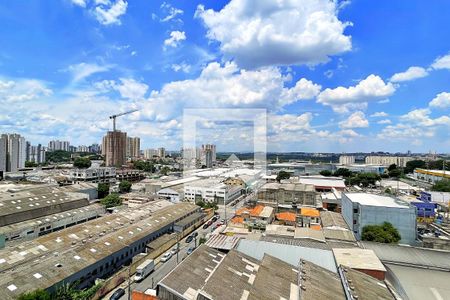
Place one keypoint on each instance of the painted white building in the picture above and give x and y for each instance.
(58, 145)
(13, 152)
(346, 159)
(169, 194)
(211, 190)
(400, 161)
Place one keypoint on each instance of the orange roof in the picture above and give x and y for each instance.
(309, 212)
(237, 220)
(287, 216)
(254, 212)
(316, 227)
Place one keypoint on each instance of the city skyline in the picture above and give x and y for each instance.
(331, 79)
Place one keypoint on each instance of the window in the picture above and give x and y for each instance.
(355, 210)
(354, 222)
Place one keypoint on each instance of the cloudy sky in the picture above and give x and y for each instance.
(333, 76)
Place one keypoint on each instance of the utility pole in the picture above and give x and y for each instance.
(129, 276)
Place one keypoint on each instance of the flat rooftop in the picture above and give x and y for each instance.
(297, 187)
(330, 182)
(358, 259)
(376, 200)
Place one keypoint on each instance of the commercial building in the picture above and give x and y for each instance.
(324, 184)
(431, 176)
(94, 175)
(211, 190)
(361, 209)
(114, 148)
(85, 252)
(400, 161)
(346, 159)
(13, 151)
(58, 145)
(133, 147)
(287, 194)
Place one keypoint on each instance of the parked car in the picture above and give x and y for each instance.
(117, 294)
(195, 234)
(190, 250)
(174, 251)
(206, 225)
(189, 239)
(166, 256)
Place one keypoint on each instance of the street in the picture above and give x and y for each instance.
(163, 268)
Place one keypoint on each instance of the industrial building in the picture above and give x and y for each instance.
(87, 251)
(324, 184)
(287, 194)
(94, 175)
(40, 226)
(365, 168)
(361, 209)
(431, 176)
(22, 204)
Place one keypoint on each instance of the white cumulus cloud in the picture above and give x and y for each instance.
(442, 100)
(410, 74)
(355, 120)
(342, 99)
(108, 14)
(175, 38)
(379, 114)
(422, 117)
(262, 33)
(442, 62)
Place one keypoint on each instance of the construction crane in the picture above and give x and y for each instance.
(113, 117)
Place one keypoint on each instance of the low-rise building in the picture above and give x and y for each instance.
(129, 175)
(94, 175)
(363, 260)
(361, 209)
(324, 184)
(211, 190)
(431, 176)
(287, 195)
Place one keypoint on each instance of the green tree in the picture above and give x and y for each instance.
(283, 175)
(165, 170)
(35, 295)
(388, 191)
(343, 172)
(111, 200)
(441, 186)
(413, 164)
(82, 162)
(30, 164)
(57, 156)
(125, 186)
(384, 233)
(145, 166)
(392, 167)
(326, 173)
(202, 240)
(103, 190)
(395, 173)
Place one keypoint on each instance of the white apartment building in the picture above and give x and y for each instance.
(13, 152)
(83, 148)
(346, 159)
(95, 175)
(400, 161)
(58, 145)
(211, 190)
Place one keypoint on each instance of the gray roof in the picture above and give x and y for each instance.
(223, 242)
(339, 235)
(364, 286)
(332, 219)
(319, 283)
(288, 253)
(412, 256)
(419, 283)
(295, 242)
(298, 187)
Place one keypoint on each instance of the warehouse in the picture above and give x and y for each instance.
(86, 251)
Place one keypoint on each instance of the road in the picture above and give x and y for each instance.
(162, 269)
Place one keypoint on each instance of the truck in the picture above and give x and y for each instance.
(144, 269)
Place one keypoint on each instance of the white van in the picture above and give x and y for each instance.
(144, 269)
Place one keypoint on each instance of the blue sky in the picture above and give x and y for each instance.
(334, 76)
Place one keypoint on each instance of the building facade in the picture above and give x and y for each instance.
(133, 147)
(94, 175)
(13, 152)
(361, 209)
(287, 194)
(58, 145)
(114, 148)
(431, 176)
(400, 161)
(346, 159)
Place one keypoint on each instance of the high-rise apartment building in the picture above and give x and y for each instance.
(152, 153)
(114, 148)
(37, 154)
(208, 155)
(346, 159)
(162, 152)
(58, 145)
(133, 147)
(13, 152)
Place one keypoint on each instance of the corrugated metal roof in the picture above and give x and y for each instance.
(288, 253)
(224, 242)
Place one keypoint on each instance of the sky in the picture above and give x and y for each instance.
(342, 76)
